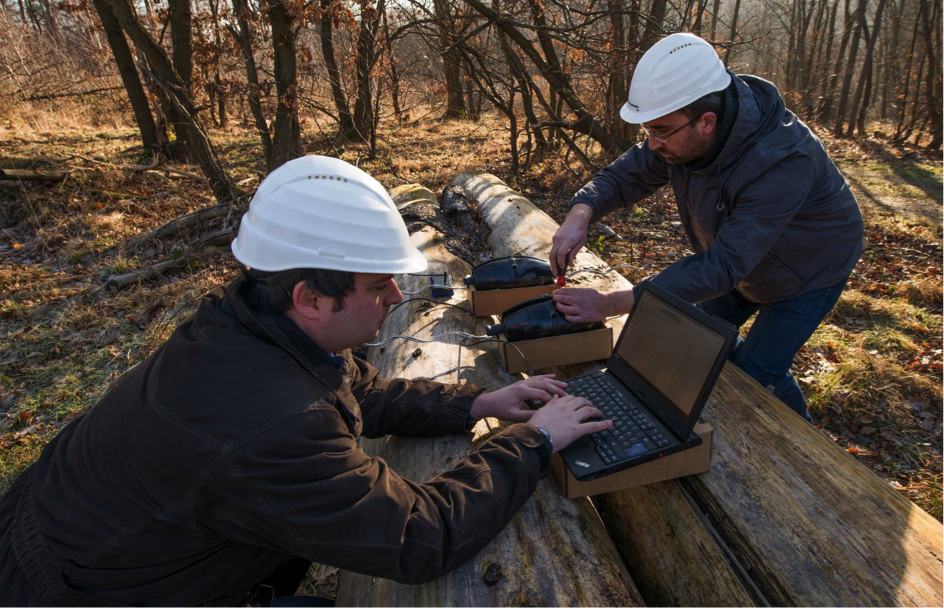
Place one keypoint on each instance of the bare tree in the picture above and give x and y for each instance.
(329, 13)
(866, 76)
(286, 139)
(932, 40)
(244, 37)
(162, 70)
(152, 139)
(455, 104)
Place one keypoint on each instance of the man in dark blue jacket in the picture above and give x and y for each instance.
(775, 229)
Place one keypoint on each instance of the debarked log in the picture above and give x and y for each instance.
(784, 516)
(554, 551)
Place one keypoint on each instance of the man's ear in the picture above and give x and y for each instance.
(308, 303)
(708, 122)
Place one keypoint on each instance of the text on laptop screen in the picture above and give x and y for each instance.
(670, 350)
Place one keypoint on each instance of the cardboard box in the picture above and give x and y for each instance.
(581, 347)
(497, 301)
(680, 464)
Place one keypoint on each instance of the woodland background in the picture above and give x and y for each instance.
(132, 134)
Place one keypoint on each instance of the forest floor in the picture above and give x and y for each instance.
(872, 372)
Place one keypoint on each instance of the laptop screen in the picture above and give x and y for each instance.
(671, 351)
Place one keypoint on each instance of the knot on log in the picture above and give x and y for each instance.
(492, 575)
(466, 229)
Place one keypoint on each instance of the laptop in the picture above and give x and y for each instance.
(657, 381)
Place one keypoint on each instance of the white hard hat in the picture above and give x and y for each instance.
(676, 71)
(321, 212)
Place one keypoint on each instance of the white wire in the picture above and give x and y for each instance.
(427, 340)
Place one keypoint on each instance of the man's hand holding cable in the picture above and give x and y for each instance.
(565, 420)
(587, 305)
(570, 237)
(508, 403)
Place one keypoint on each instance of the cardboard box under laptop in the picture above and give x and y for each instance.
(581, 347)
(496, 301)
(680, 464)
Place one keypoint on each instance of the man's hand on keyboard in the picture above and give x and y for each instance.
(566, 419)
(508, 403)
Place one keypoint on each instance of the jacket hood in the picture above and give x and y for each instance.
(759, 110)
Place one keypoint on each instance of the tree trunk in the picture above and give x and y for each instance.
(244, 38)
(890, 50)
(732, 37)
(826, 110)
(527, 94)
(532, 562)
(217, 86)
(654, 25)
(166, 76)
(933, 86)
(903, 107)
(866, 75)
(827, 61)
(178, 13)
(618, 84)
(850, 68)
(329, 10)
(455, 104)
(394, 71)
(221, 97)
(286, 140)
(866, 101)
(129, 77)
(807, 81)
(791, 47)
(735, 534)
(714, 19)
(364, 63)
(699, 14)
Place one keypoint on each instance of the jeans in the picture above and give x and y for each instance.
(777, 334)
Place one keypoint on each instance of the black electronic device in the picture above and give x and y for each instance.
(537, 318)
(510, 272)
(657, 381)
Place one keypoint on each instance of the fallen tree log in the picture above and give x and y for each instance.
(33, 175)
(554, 551)
(183, 222)
(783, 516)
(122, 281)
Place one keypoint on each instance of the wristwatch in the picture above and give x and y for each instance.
(548, 435)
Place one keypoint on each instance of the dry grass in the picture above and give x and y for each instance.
(872, 373)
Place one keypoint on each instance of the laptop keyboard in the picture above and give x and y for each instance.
(631, 435)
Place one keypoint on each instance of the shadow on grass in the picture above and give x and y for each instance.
(912, 173)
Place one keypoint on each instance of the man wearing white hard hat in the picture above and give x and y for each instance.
(215, 471)
(774, 227)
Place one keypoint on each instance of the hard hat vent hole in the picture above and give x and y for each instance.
(678, 48)
(331, 177)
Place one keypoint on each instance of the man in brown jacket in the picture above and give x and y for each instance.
(232, 452)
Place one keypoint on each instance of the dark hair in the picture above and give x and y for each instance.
(712, 102)
(272, 291)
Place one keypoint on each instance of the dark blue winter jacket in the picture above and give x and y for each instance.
(770, 215)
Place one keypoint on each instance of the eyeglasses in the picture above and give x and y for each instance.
(659, 137)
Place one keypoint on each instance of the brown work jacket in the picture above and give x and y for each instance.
(233, 448)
